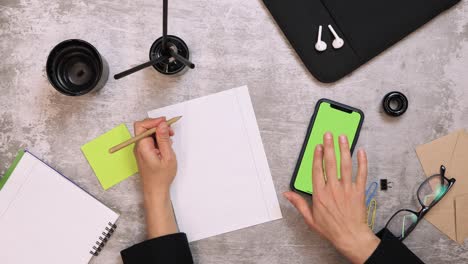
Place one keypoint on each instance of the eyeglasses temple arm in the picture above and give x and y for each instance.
(442, 173)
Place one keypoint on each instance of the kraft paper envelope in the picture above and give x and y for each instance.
(461, 219)
(438, 152)
(459, 171)
(451, 151)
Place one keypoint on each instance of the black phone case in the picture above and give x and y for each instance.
(368, 27)
(309, 130)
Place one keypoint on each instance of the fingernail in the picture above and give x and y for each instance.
(328, 135)
(319, 147)
(343, 139)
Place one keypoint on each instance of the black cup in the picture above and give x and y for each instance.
(75, 67)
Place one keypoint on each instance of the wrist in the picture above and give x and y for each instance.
(160, 219)
(156, 196)
(360, 247)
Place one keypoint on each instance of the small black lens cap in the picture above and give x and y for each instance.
(395, 103)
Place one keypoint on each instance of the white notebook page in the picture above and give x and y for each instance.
(223, 181)
(45, 218)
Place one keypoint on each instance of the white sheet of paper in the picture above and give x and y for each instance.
(223, 181)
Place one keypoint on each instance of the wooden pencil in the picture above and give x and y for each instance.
(141, 136)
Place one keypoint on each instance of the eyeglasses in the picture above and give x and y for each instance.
(431, 191)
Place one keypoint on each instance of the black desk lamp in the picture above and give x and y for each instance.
(168, 54)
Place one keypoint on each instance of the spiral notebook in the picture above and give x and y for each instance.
(46, 218)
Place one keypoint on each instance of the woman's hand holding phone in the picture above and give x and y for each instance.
(338, 212)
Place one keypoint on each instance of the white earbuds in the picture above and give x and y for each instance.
(337, 42)
(320, 45)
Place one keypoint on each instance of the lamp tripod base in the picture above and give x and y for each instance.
(169, 66)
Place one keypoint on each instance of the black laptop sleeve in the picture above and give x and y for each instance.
(368, 27)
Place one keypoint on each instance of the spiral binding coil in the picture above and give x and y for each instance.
(102, 240)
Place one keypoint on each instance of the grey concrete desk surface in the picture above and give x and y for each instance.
(233, 43)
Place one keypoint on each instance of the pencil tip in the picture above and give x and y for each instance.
(173, 120)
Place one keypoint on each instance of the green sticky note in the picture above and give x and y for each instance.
(109, 168)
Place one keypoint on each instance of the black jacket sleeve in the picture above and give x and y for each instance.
(175, 249)
(166, 249)
(391, 250)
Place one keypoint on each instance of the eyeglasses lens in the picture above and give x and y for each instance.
(432, 190)
(401, 223)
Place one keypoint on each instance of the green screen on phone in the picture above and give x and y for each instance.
(328, 118)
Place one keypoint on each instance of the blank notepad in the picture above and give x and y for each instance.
(223, 181)
(45, 218)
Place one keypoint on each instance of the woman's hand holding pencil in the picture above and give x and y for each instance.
(158, 167)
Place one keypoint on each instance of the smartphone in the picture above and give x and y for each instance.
(329, 116)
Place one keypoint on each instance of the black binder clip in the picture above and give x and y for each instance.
(385, 184)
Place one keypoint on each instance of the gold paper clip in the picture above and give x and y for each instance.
(371, 210)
